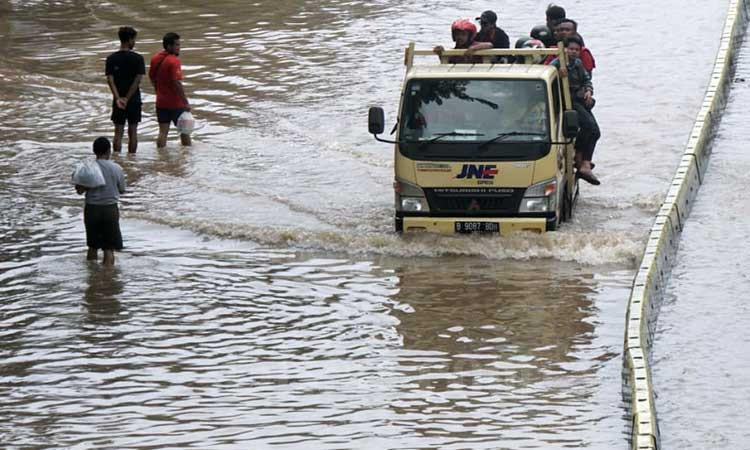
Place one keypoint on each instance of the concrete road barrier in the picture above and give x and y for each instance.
(653, 272)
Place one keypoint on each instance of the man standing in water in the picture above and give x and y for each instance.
(100, 214)
(165, 73)
(124, 70)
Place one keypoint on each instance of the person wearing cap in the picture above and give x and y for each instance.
(489, 31)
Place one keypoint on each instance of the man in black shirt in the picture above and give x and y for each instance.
(124, 70)
(489, 31)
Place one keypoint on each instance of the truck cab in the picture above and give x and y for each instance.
(483, 147)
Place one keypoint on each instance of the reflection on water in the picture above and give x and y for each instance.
(487, 355)
(270, 349)
(263, 299)
(101, 294)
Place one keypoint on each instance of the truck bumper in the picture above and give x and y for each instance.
(447, 225)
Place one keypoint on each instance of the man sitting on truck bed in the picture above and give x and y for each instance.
(463, 32)
(582, 92)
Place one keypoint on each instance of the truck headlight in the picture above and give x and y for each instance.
(409, 197)
(540, 197)
(413, 204)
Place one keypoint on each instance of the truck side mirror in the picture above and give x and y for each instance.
(570, 124)
(376, 120)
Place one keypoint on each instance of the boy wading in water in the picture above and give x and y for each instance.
(101, 215)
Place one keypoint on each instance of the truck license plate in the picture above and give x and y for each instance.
(477, 227)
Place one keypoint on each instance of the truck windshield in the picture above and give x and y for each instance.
(455, 119)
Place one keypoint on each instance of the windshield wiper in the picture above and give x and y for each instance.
(502, 136)
(439, 136)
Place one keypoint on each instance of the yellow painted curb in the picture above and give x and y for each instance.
(653, 272)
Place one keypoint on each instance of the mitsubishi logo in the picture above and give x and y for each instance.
(474, 205)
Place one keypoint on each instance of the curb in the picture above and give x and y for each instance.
(653, 272)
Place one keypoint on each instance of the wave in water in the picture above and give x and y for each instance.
(570, 244)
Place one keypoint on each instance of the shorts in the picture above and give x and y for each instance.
(168, 115)
(102, 227)
(131, 113)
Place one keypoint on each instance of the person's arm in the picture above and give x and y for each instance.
(152, 74)
(121, 182)
(109, 72)
(476, 46)
(181, 92)
(587, 85)
(563, 70)
(502, 40)
(585, 78)
(131, 90)
(588, 60)
(175, 74)
(115, 93)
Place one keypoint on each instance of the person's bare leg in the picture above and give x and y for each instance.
(117, 139)
(109, 258)
(91, 254)
(132, 137)
(185, 139)
(161, 141)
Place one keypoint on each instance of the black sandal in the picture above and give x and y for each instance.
(588, 177)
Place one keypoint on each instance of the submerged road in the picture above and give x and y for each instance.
(701, 370)
(262, 299)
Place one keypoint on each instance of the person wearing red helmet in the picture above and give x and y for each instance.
(464, 32)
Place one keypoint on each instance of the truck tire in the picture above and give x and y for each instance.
(567, 207)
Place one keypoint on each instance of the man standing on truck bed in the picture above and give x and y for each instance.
(490, 32)
(165, 73)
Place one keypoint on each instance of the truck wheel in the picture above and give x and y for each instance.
(567, 207)
(399, 225)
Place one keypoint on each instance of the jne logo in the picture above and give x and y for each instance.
(481, 171)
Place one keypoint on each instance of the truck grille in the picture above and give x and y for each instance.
(474, 201)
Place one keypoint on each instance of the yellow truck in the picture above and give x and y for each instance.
(483, 147)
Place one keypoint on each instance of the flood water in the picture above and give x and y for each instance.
(262, 299)
(702, 362)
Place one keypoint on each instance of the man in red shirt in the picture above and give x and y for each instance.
(165, 73)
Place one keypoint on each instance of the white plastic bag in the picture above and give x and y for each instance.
(185, 123)
(88, 174)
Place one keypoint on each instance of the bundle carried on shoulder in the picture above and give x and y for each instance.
(88, 174)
